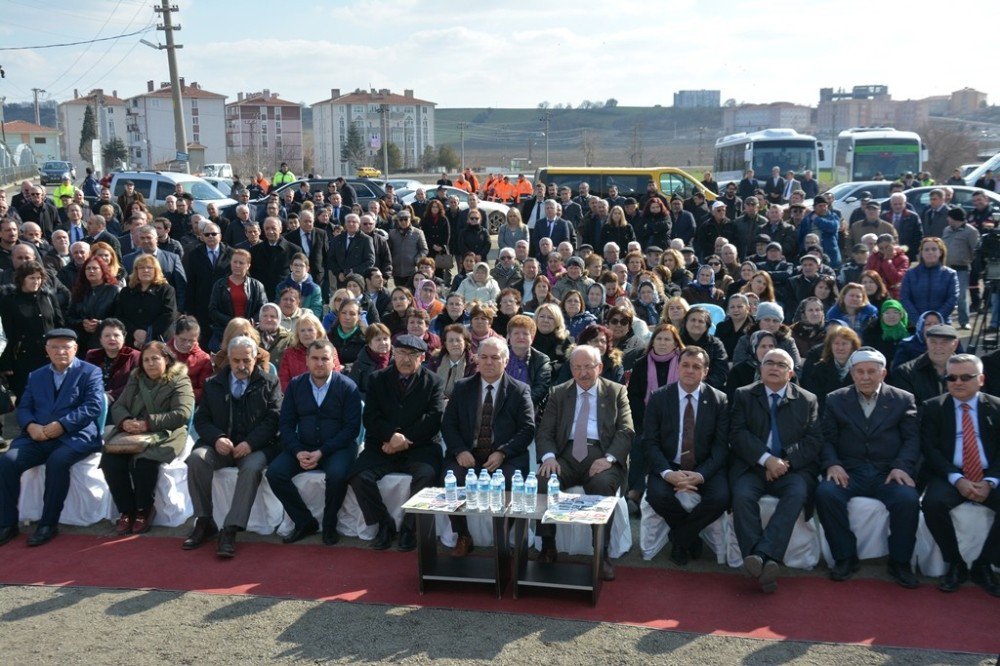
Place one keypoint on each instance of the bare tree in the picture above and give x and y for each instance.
(948, 148)
(588, 144)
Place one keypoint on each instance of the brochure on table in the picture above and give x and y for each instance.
(581, 509)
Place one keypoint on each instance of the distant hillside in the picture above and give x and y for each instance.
(26, 111)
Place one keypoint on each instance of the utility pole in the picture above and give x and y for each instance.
(168, 28)
(38, 113)
(546, 118)
(384, 110)
(461, 135)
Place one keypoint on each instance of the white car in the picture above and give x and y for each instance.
(155, 186)
(402, 184)
(496, 213)
(846, 195)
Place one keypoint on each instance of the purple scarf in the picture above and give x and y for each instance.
(517, 369)
(651, 379)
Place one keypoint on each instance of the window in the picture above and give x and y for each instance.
(142, 185)
(194, 112)
(196, 137)
(194, 103)
(263, 112)
(164, 188)
(674, 184)
(277, 141)
(277, 113)
(110, 110)
(40, 140)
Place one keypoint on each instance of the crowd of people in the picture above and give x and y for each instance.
(658, 345)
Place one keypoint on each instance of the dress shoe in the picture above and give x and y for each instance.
(143, 520)
(696, 548)
(204, 529)
(227, 543)
(903, 574)
(463, 546)
(769, 576)
(124, 524)
(953, 578)
(301, 532)
(753, 565)
(984, 576)
(8, 533)
(679, 555)
(548, 554)
(43, 534)
(844, 569)
(407, 540)
(607, 569)
(633, 507)
(330, 537)
(386, 533)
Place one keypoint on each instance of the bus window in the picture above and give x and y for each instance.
(628, 185)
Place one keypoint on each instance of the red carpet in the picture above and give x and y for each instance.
(805, 608)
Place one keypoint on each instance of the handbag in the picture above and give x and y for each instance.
(125, 443)
(444, 261)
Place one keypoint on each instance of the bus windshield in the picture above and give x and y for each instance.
(890, 157)
(790, 155)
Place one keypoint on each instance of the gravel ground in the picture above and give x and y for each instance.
(43, 625)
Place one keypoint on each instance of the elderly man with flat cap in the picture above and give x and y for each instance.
(58, 414)
(871, 444)
(402, 418)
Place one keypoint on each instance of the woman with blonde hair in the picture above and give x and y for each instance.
(552, 336)
(515, 230)
(274, 338)
(673, 261)
(239, 326)
(107, 253)
(674, 310)
(308, 329)
(617, 230)
(148, 305)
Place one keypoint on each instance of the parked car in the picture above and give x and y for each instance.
(224, 185)
(368, 172)
(846, 195)
(496, 213)
(53, 170)
(920, 197)
(155, 186)
(218, 170)
(367, 190)
(402, 184)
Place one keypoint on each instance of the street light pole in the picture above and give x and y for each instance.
(180, 135)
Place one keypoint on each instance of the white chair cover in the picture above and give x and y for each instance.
(972, 524)
(870, 524)
(654, 531)
(266, 514)
(88, 501)
(803, 548)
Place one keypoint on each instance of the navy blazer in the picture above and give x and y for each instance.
(330, 427)
(560, 233)
(938, 430)
(76, 406)
(513, 419)
(887, 440)
(798, 426)
(662, 426)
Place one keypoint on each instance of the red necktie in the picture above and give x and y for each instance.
(972, 466)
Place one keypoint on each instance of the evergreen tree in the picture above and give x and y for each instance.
(88, 134)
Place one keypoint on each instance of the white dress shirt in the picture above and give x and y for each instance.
(958, 459)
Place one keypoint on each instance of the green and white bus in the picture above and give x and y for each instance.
(864, 153)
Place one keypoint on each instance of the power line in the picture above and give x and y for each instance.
(89, 41)
(79, 56)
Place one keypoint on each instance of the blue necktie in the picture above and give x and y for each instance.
(239, 389)
(775, 437)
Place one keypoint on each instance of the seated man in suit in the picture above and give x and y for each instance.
(584, 438)
(237, 425)
(488, 424)
(686, 437)
(403, 409)
(319, 425)
(58, 414)
(776, 440)
(960, 437)
(870, 449)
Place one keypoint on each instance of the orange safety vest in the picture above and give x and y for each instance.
(504, 190)
(473, 183)
(523, 188)
(463, 184)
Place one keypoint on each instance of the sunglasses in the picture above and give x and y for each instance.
(210, 233)
(617, 322)
(960, 378)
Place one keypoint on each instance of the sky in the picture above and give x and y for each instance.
(509, 54)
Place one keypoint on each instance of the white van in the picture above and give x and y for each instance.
(156, 186)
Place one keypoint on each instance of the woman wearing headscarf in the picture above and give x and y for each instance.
(809, 327)
(885, 332)
(647, 303)
(703, 289)
(480, 286)
(747, 372)
(426, 298)
(914, 345)
(597, 301)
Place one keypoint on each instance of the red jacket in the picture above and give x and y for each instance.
(199, 365)
(293, 364)
(892, 270)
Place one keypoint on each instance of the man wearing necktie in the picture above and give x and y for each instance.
(237, 426)
(533, 209)
(488, 424)
(205, 265)
(960, 436)
(686, 439)
(776, 440)
(549, 226)
(584, 438)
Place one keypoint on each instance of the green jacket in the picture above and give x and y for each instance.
(171, 404)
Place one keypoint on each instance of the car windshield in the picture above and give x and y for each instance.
(55, 165)
(199, 189)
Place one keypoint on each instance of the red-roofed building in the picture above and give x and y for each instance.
(110, 121)
(410, 127)
(43, 141)
(150, 125)
(262, 131)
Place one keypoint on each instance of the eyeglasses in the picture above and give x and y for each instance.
(960, 378)
(210, 233)
(777, 364)
(617, 322)
(714, 263)
(582, 368)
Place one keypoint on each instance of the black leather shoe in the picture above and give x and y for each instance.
(696, 548)
(679, 555)
(844, 569)
(548, 554)
(330, 537)
(984, 576)
(607, 569)
(407, 540)
(227, 543)
(386, 533)
(903, 574)
(769, 576)
(8, 533)
(953, 578)
(204, 529)
(300, 533)
(43, 534)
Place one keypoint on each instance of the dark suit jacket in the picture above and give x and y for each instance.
(110, 239)
(798, 426)
(887, 440)
(262, 404)
(76, 406)
(937, 435)
(272, 264)
(319, 251)
(910, 230)
(172, 269)
(747, 187)
(415, 413)
(332, 426)
(614, 421)
(513, 419)
(560, 233)
(357, 259)
(572, 212)
(202, 276)
(663, 423)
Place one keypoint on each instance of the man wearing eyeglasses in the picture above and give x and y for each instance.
(870, 449)
(584, 437)
(204, 266)
(40, 210)
(488, 424)
(960, 433)
(775, 446)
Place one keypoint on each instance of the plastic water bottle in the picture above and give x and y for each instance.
(531, 493)
(484, 490)
(471, 493)
(496, 492)
(517, 492)
(450, 488)
(553, 490)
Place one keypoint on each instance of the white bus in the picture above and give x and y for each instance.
(760, 151)
(866, 152)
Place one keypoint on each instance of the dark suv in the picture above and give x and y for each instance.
(53, 171)
(367, 190)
